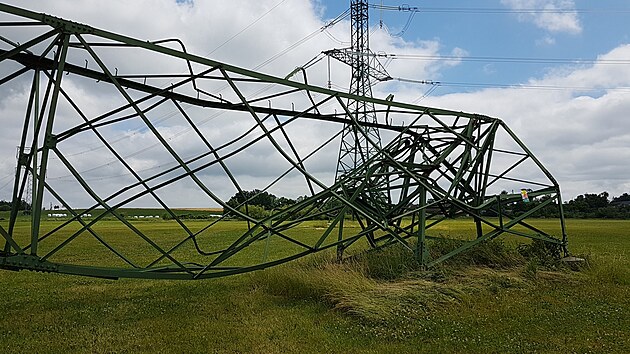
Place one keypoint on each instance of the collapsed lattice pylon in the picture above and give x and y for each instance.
(441, 164)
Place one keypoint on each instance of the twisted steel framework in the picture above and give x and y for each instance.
(440, 164)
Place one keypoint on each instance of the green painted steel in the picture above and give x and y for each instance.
(425, 165)
(354, 148)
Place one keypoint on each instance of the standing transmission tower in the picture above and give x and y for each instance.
(356, 148)
(27, 195)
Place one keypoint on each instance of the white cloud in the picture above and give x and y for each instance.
(546, 18)
(582, 139)
(489, 69)
(546, 41)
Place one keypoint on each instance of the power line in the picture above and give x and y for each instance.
(496, 59)
(519, 11)
(534, 87)
(427, 93)
(435, 84)
(6, 184)
(488, 10)
(245, 28)
(331, 36)
(305, 39)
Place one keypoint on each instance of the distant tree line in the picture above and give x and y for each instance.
(585, 206)
(6, 206)
(260, 204)
(257, 204)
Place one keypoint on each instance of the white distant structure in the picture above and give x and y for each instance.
(65, 215)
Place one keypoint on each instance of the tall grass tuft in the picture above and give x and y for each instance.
(493, 254)
(544, 253)
(388, 263)
(386, 284)
(348, 287)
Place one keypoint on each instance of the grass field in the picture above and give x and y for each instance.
(315, 305)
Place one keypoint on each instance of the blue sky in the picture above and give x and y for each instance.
(505, 34)
(583, 136)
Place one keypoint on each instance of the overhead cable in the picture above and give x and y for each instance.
(494, 59)
(487, 10)
(245, 28)
(305, 39)
(513, 86)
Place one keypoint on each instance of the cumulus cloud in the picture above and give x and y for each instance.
(546, 41)
(269, 36)
(563, 22)
(579, 134)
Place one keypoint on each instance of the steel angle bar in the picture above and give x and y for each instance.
(20, 24)
(10, 242)
(165, 183)
(23, 158)
(529, 153)
(269, 136)
(511, 152)
(523, 181)
(14, 75)
(508, 170)
(295, 153)
(292, 168)
(24, 47)
(248, 237)
(49, 142)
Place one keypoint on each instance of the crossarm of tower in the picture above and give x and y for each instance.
(345, 55)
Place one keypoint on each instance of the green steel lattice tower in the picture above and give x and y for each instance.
(355, 148)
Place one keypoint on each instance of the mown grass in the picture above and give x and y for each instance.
(129, 213)
(378, 302)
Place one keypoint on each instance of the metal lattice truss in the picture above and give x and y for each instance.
(355, 147)
(430, 165)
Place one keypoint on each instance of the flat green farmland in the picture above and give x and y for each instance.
(315, 305)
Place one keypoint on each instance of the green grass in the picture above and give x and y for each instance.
(379, 302)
